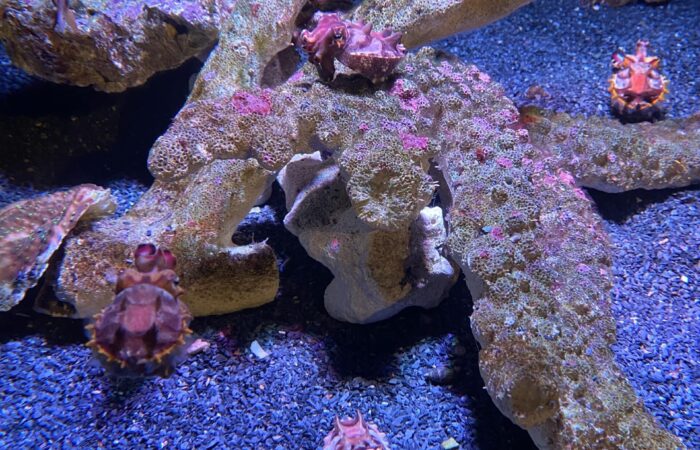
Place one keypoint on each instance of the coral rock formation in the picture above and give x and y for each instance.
(423, 21)
(355, 434)
(604, 154)
(195, 217)
(374, 55)
(196, 202)
(636, 87)
(535, 255)
(105, 44)
(32, 230)
(142, 332)
(377, 272)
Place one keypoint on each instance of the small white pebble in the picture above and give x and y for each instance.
(198, 346)
(684, 278)
(258, 350)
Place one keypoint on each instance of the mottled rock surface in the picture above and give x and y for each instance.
(377, 272)
(32, 230)
(109, 45)
(195, 211)
(534, 253)
(116, 45)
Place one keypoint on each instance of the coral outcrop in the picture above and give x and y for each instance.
(354, 433)
(106, 44)
(142, 332)
(195, 218)
(193, 209)
(536, 257)
(636, 87)
(32, 230)
(424, 21)
(377, 272)
(115, 45)
(372, 54)
(604, 154)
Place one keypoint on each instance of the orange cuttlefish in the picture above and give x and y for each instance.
(636, 86)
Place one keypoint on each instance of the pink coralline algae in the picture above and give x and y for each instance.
(355, 434)
(247, 103)
(410, 96)
(143, 331)
(636, 86)
(411, 141)
(373, 55)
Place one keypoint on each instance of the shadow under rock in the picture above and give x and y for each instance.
(620, 206)
(468, 384)
(23, 321)
(57, 135)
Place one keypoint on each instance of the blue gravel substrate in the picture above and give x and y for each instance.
(566, 48)
(656, 301)
(415, 375)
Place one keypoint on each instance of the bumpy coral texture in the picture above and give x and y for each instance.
(372, 54)
(517, 222)
(535, 255)
(636, 87)
(32, 230)
(604, 154)
(355, 434)
(143, 331)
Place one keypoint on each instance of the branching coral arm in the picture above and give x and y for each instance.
(604, 154)
(425, 21)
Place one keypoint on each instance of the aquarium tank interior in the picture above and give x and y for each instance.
(350, 224)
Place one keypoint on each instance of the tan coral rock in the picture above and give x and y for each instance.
(232, 279)
(32, 230)
(517, 225)
(250, 39)
(538, 265)
(195, 218)
(424, 21)
(377, 273)
(604, 154)
(200, 194)
(106, 44)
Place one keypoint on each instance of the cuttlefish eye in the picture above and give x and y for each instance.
(339, 35)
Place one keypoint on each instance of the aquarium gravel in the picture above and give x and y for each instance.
(565, 49)
(415, 375)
